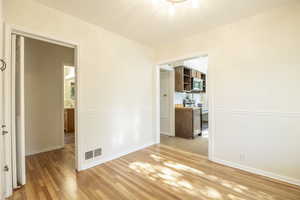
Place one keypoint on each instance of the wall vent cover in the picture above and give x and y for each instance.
(89, 155)
(98, 152)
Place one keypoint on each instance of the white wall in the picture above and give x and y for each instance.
(115, 80)
(44, 100)
(254, 69)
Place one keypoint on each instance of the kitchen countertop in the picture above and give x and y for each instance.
(190, 108)
(204, 111)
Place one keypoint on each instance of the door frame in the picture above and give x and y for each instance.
(12, 29)
(209, 90)
(2, 163)
(171, 88)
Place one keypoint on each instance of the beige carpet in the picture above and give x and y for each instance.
(69, 138)
(198, 145)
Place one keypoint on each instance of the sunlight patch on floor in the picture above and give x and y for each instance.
(211, 193)
(183, 167)
(208, 192)
(232, 197)
(174, 179)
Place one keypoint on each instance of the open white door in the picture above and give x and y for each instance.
(5, 134)
(2, 114)
(18, 119)
(2, 183)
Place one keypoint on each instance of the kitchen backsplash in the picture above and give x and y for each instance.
(199, 98)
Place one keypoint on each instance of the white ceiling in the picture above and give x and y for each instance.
(140, 20)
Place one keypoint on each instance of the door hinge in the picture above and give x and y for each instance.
(6, 168)
(3, 65)
(4, 132)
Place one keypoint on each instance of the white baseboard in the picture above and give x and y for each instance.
(101, 161)
(45, 150)
(258, 171)
(166, 133)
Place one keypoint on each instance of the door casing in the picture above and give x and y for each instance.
(211, 121)
(9, 30)
(18, 122)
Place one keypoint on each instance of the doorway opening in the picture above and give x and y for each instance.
(69, 105)
(184, 105)
(43, 84)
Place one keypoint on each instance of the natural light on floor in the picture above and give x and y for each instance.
(175, 175)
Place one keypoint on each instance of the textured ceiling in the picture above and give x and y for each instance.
(150, 24)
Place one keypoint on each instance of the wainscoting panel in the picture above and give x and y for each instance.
(264, 140)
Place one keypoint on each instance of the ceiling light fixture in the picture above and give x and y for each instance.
(176, 1)
(172, 3)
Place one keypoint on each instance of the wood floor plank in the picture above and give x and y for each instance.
(157, 172)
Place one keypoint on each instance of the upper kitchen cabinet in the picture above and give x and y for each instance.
(203, 78)
(179, 86)
(183, 79)
(196, 74)
(188, 80)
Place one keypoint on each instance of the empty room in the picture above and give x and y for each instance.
(150, 99)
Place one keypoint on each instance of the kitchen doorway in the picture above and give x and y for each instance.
(184, 105)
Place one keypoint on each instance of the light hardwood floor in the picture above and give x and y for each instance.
(157, 172)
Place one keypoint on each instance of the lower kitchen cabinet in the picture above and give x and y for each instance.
(69, 120)
(188, 122)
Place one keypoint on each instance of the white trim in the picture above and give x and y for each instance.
(63, 107)
(171, 89)
(259, 112)
(10, 29)
(18, 137)
(45, 150)
(7, 106)
(19, 30)
(258, 172)
(172, 101)
(21, 155)
(167, 67)
(116, 156)
(184, 57)
(78, 139)
(2, 173)
(157, 102)
(13, 117)
(166, 133)
(210, 90)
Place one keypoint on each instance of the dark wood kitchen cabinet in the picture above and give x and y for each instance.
(188, 122)
(69, 120)
(179, 81)
(196, 74)
(184, 78)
